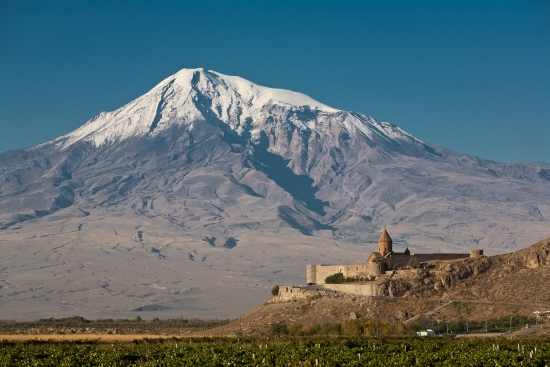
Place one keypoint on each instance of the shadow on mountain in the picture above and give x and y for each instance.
(431, 150)
(230, 242)
(210, 240)
(299, 186)
(203, 103)
(545, 174)
(300, 222)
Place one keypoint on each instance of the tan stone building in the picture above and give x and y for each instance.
(378, 262)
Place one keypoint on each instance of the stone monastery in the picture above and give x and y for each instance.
(369, 277)
(379, 262)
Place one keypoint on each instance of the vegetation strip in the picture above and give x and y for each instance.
(327, 351)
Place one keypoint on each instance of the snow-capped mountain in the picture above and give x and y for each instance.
(213, 177)
(196, 94)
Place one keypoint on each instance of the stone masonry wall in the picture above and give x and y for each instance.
(289, 292)
(369, 289)
(317, 273)
(401, 260)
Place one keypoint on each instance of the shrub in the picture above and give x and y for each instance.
(352, 328)
(315, 330)
(390, 265)
(275, 290)
(414, 263)
(279, 329)
(337, 278)
(296, 329)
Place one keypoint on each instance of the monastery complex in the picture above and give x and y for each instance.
(368, 276)
(379, 262)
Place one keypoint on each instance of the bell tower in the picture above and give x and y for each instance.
(385, 243)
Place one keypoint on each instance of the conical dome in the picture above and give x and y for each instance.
(385, 243)
(385, 236)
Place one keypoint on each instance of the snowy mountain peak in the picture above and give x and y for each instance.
(196, 94)
(250, 93)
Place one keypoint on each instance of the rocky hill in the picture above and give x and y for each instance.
(513, 277)
(479, 288)
(335, 310)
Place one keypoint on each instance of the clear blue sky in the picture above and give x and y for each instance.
(472, 76)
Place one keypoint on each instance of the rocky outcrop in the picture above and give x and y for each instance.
(509, 278)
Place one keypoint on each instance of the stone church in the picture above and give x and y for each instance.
(378, 262)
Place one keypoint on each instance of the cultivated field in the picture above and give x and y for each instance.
(78, 338)
(270, 351)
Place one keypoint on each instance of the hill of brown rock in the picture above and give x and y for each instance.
(518, 277)
(485, 287)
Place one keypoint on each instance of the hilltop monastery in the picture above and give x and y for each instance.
(370, 276)
(378, 262)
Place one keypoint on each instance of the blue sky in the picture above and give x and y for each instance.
(472, 76)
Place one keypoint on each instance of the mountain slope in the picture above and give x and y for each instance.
(221, 169)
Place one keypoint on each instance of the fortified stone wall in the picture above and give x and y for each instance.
(476, 253)
(401, 260)
(376, 268)
(289, 292)
(317, 273)
(369, 289)
(311, 273)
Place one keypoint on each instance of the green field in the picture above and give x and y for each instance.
(285, 351)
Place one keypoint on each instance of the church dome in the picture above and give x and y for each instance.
(385, 237)
(385, 243)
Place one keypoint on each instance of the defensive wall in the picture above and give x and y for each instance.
(374, 268)
(368, 289)
(288, 292)
(316, 274)
(402, 260)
